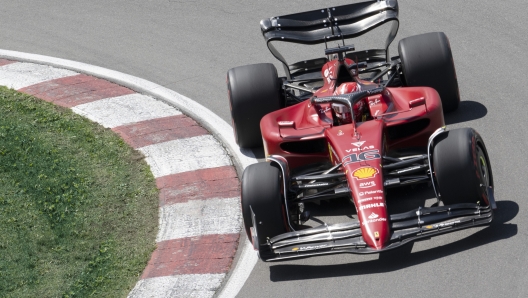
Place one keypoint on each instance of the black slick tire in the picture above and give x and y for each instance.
(253, 91)
(427, 60)
(261, 190)
(461, 167)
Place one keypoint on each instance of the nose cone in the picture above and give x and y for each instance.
(375, 227)
(366, 184)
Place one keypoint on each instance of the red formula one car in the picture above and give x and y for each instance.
(352, 125)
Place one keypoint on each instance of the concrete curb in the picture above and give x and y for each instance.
(206, 118)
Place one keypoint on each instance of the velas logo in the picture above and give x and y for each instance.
(358, 144)
(365, 173)
(359, 149)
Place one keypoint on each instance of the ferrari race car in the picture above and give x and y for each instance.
(350, 126)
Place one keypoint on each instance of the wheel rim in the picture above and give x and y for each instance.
(483, 165)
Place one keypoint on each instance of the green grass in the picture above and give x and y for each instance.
(78, 207)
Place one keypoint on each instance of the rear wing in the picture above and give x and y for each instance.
(329, 24)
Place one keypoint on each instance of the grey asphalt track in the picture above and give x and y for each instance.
(188, 46)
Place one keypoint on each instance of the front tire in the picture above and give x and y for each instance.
(462, 167)
(261, 190)
(253, 92)
(427, 60)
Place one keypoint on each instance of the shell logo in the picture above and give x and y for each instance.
(365, 173)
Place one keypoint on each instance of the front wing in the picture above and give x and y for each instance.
(346, 237)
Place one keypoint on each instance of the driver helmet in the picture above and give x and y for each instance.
(342, 112)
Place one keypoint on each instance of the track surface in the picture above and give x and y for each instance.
(188, 46)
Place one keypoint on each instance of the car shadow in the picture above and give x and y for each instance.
(467, 110)
(500, 229)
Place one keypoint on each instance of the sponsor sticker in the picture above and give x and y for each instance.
(326, 74)
(366, 222)
(370, 192)
(365, 200)
(442, 225)
(365, 173)
(322, 111)
(286, 123)
(368, 206)
(332, 154)
(359, 149)
(310, 247)
(368, 184)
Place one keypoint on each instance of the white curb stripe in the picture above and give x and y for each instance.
(19, 75)
(183, 155)
(199, 217)
(192, 285)
(116, 111)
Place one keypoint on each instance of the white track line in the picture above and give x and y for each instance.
(191, 285)
(20, 75)
(214, 124)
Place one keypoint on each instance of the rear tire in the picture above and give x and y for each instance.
(427, 60)
(261, 189)
(462, 167)
(253, 92)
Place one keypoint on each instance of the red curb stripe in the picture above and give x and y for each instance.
(76, 90)
(56, 83)
(91, 96)
(201, 184)
(159, 130)
(209, 254)
(6, 62)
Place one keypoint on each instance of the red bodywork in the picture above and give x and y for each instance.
(400, 118)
